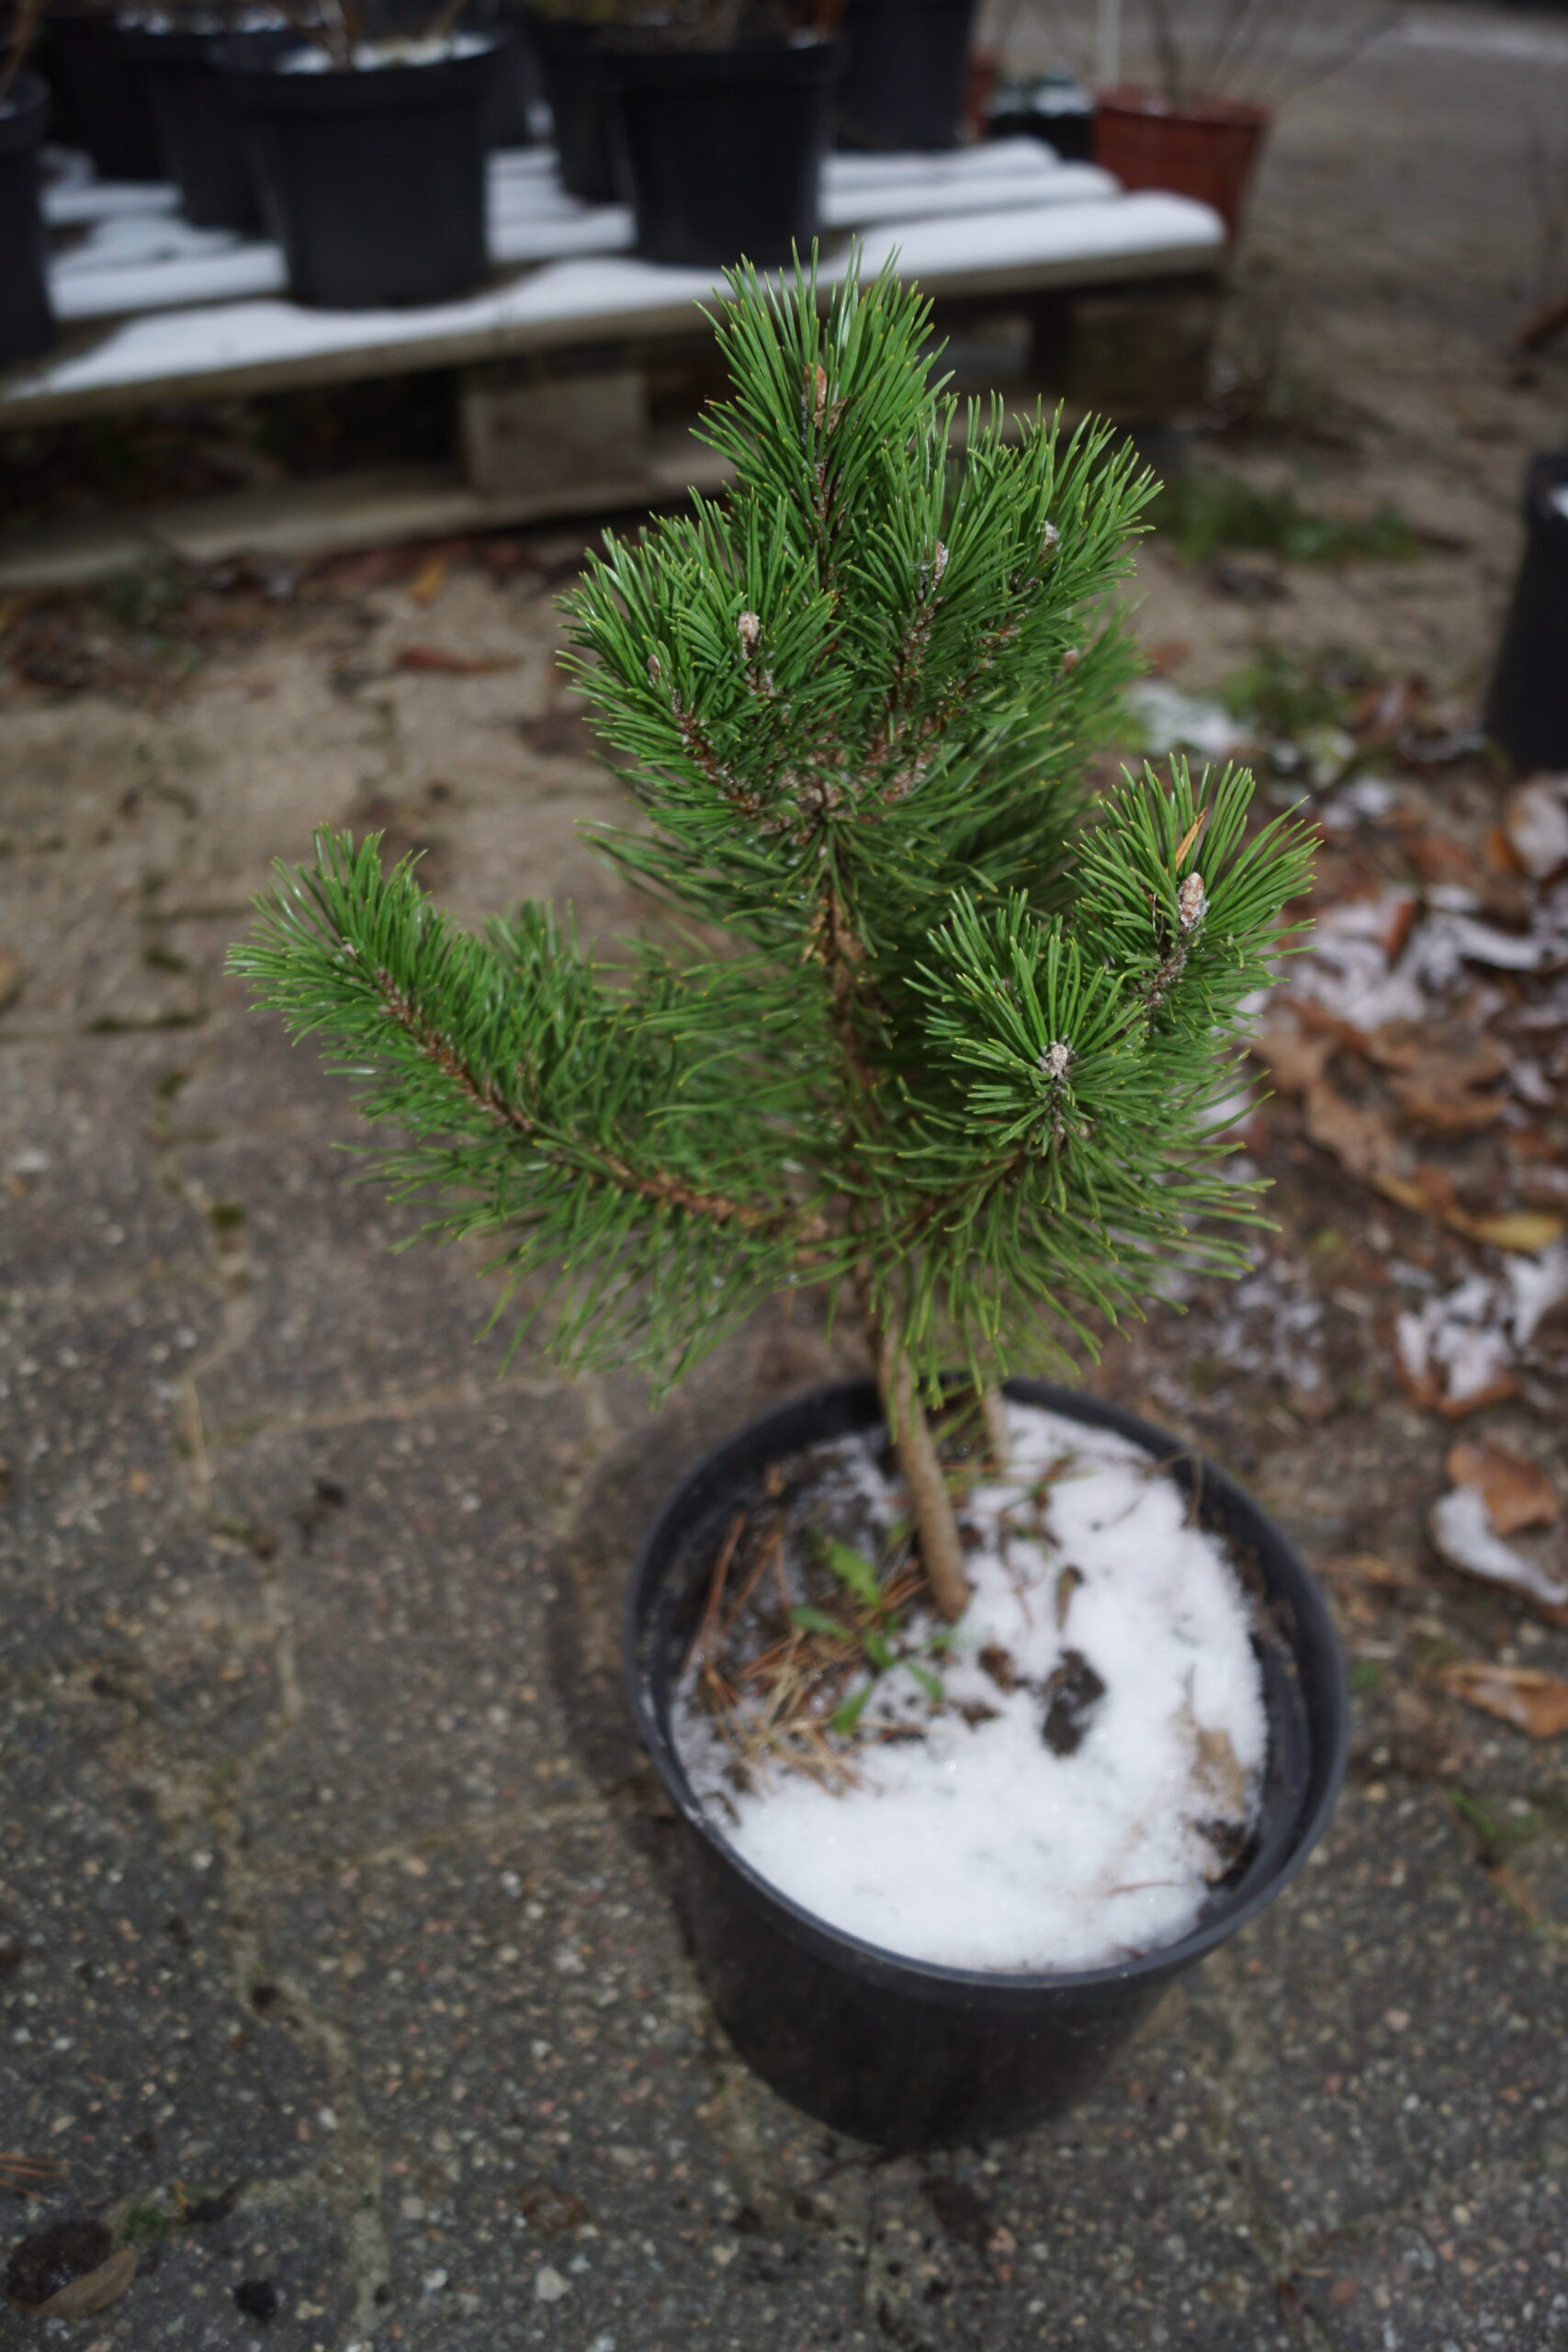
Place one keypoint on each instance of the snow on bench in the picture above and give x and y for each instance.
(1095, 240)
(139, 255)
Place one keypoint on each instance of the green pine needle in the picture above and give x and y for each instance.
(967, 1035)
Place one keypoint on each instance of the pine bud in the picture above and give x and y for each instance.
(1191, 902)
(1053, 541)
(750, 630)
(1056, 1060)
(939, 563)
(655, 670)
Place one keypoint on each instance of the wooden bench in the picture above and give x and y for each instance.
(552, 355)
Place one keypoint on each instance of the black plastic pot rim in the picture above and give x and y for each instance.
(957, 1988)
(268, 80)
(753, 63)
(24, 115)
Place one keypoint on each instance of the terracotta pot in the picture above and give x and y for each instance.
(1207, 149)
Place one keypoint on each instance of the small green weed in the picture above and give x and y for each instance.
(870, 1632)
(1500, 1834)
(143, 2221)
(1207, 511)
(1287, 694)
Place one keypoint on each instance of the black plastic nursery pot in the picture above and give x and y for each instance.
(1527, 703)
(725, 148)
(103, 103)
(571, 67)
(908, 77)
(27, 321)
(1053, 108)
(901, 2052)
(372, 180)
(515, 90)
(201, 128)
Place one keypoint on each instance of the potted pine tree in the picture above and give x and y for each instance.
(1193, 114)
(369, 153)
(199, 128)
(987, 1708)
(909, 75)
(712, 116)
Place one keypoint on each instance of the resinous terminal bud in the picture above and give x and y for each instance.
(1191, 902)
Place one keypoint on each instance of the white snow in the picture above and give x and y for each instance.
(1466, 1341)
(139, 257)
(1465, 1537)
(1061, 242)
(1537, 821)
(1457, 1343)
(1346, 967)
(370, 57)
(980, 1847)
(1171, 720)
(859, 202)
(1538, 1284)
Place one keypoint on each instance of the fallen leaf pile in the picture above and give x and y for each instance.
(1422, 1034)
(1425, 1034)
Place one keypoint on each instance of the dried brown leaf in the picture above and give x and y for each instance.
(1363, 1142)
(1516, 1694)
(1517, 1493)
(429, 580)
(1522, 1230)
(1445, 1105)
(442, 661)
(1293, 1060)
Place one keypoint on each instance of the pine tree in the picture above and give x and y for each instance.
(945, 1035)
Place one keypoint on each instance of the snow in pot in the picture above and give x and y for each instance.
(1055, 1782)
(428, 49)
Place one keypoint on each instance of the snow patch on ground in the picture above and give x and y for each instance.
(1465, 1537)
(978, 1845)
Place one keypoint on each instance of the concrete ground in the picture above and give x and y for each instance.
(336, 1948)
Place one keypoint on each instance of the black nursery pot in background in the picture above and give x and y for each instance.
(572, 68)
(725, 148)
(201, 128)
(902, 2052)
(907, 75)
(27, 321)
(515, 86)
(373, 181)
(1053, 108)
(1526, 704)
(103, 102)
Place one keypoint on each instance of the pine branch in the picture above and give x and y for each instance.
(968, 1039)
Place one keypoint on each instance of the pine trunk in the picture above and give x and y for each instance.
(936, 1522)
